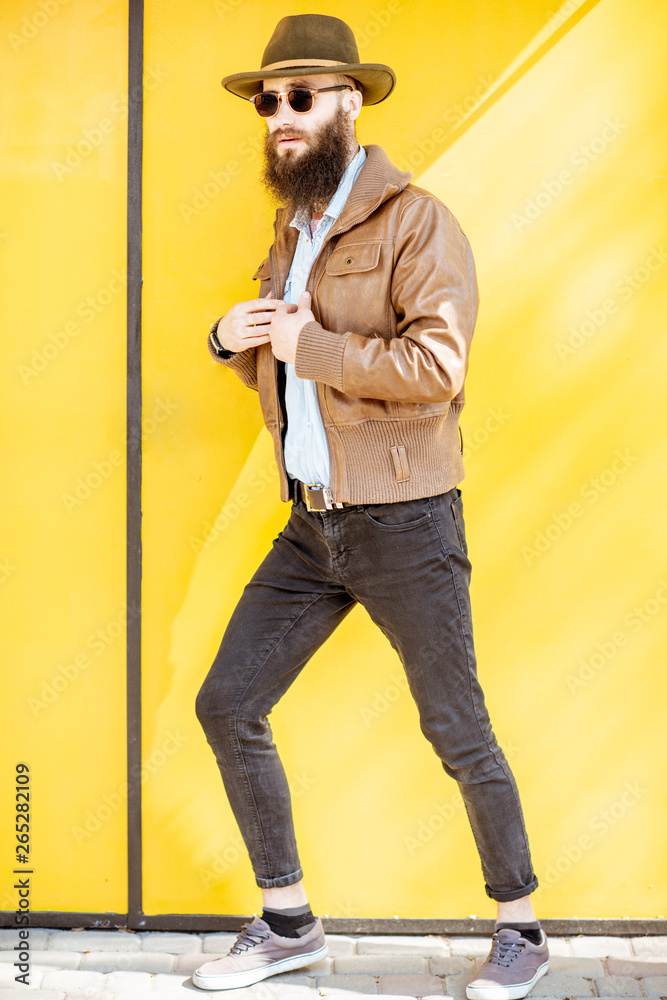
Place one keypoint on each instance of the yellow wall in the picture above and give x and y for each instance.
(541, 130)
(62, 243)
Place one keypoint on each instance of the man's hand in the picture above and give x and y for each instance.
(285, 327)
(247, 324)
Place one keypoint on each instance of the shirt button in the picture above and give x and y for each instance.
(309, 423)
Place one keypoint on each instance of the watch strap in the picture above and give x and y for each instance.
(220, 351)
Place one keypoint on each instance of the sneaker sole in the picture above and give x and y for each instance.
(515, 992)
(237, 980)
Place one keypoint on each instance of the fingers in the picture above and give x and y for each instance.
(258, 319)
(258, 305)
(254, 341)
(254, 316)
(247, 324)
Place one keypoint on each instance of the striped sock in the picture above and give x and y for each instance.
(293, 921)
(531, 932)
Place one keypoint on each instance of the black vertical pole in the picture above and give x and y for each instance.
(134, 282)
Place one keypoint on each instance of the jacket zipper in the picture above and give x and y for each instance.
(279, 412)
(334, 478)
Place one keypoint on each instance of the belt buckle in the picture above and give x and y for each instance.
(315, 492)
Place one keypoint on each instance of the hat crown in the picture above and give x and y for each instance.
(311, 36)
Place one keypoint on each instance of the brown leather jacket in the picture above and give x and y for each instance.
(394, 295)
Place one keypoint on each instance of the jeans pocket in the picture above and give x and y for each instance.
(400, 516)
(457, 513)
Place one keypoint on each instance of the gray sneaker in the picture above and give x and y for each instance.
(258, 954)
(513, 967)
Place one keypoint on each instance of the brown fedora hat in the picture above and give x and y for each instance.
(314, 44)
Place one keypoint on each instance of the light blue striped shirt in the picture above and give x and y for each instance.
(306, 450)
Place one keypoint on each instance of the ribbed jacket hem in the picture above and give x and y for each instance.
(319, 355)
(429, 447)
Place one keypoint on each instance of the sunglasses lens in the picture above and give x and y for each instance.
(300, 101)
(266, 104)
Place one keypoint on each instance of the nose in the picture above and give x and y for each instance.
(284, 115)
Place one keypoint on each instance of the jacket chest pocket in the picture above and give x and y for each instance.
(354, 291)
(353, 258)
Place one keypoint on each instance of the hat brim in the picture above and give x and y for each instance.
(377, 80)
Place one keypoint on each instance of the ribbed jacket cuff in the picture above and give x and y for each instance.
(319, 355)
(244, 363)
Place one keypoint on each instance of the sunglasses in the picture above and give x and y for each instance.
(300, 99)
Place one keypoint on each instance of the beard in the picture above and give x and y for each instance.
(305, 182)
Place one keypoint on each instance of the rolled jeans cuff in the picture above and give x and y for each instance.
(502, 896)
(282, 880)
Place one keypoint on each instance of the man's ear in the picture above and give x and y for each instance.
(355, 98)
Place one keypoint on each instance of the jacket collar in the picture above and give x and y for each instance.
(378, 181)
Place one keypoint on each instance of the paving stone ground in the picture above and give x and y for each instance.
(124, 965)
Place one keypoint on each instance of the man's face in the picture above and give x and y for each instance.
(289, 131)
(306, 154)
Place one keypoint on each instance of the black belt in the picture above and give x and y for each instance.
(317, 497)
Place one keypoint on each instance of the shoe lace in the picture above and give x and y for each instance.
(504, 952)
(247, 939)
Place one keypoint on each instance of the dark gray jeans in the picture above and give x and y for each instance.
(407, 564)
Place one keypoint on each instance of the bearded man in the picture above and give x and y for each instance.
(358, 347)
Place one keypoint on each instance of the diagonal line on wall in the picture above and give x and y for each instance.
(524, 62)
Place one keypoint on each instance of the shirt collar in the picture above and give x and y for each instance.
(337, 203)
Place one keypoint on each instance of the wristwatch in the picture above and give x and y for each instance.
(221, 351)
